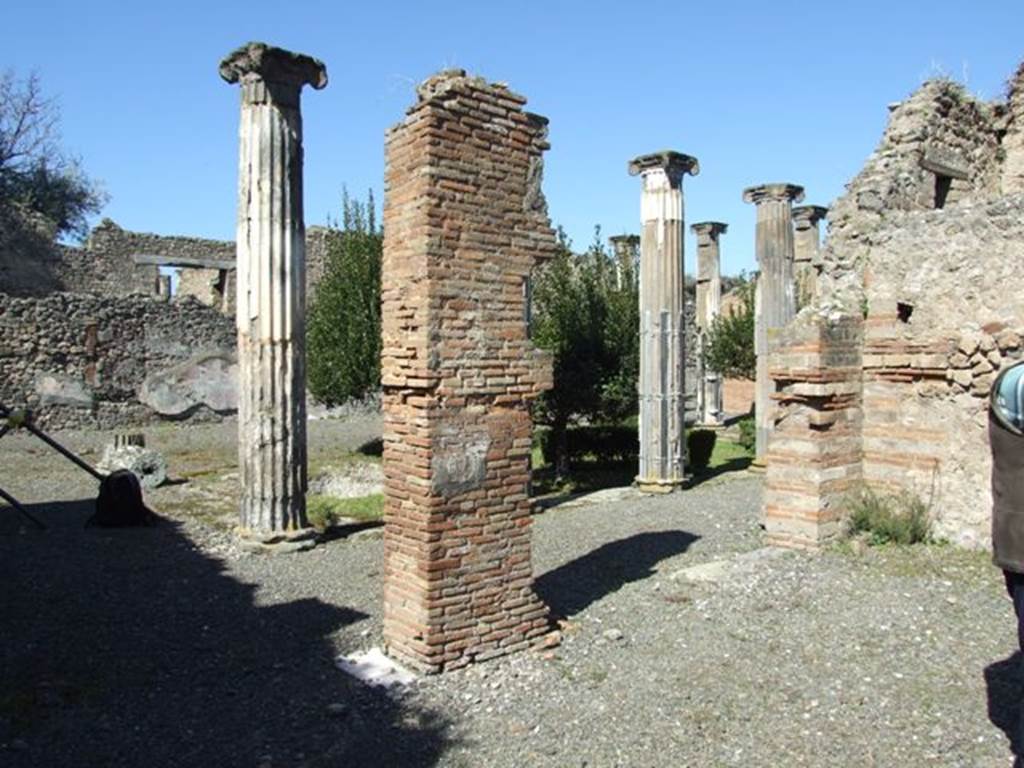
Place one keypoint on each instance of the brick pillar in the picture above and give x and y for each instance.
(807, 251)
(709, 303)
(465, 222)
(271, 304)
(815, 450)
(626, 252)
(662, 328)
(776, 301)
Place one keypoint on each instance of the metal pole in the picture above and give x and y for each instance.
(17, 505)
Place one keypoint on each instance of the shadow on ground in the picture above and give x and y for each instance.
(738, 464)
(572, 587)
(132, 648)
(1003, 680)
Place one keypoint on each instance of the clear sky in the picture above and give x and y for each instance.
(758, 91)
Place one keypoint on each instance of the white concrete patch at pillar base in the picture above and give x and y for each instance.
(375, 669)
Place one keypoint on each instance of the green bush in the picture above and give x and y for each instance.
(603, 444)
(748, 434)
(588, 320)
(900, 518)
(700, 443)
(729, 346)
(343, 327)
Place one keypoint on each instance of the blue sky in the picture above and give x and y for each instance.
(758, 92)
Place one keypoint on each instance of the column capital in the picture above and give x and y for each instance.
(710, 228)
(781, 192)
(624, 240)
(674, 164)
(273, 74)
(805, 216)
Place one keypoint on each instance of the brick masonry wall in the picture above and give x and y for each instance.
(814, 453)
(80, 360)
(942, 295)
(465, 222)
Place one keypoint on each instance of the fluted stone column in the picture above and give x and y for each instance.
(776, 304)
(662, 332)
(626, 251)
(806, 251)
(709, 305)
(271, 286)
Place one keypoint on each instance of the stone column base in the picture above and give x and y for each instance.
(658, 486)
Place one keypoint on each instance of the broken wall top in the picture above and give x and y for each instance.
(942, 151)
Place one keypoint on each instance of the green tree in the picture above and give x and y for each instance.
(343, 325)
(34, 171)
(587, 318)
(729, 346)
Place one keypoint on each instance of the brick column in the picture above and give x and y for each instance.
(806, 251)
(465, 222)
(709, 301)
(815, 455)
(271, 304)
(776, 300)
(662, 332)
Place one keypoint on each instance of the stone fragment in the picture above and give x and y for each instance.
(148, 465)
(982, 384)
(968, 343)
(986, 343)
(1008, 339)
(962, 377)
(981, 365)
(58, 389)
(208, 379)
(959, 360)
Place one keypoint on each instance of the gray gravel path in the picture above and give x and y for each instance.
(169, 646)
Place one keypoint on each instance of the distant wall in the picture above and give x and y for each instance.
(86, 361)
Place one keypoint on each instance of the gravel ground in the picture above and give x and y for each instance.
(684, 643)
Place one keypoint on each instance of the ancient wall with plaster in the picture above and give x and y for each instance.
(925, 246)
(99, 362)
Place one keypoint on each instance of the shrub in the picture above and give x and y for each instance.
(587, 320)
(700, 443)
(748, 434)
(729, 346)
(343, 330)
(603, 444)
(900, 518)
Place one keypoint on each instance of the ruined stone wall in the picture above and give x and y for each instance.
(945, 304)
(1013, 140)
(465, 222)
(939, 284)
(939, 127)
(82, 361)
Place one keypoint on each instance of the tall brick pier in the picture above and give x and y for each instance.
(465, 222)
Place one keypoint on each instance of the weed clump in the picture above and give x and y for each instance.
(900, 518)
